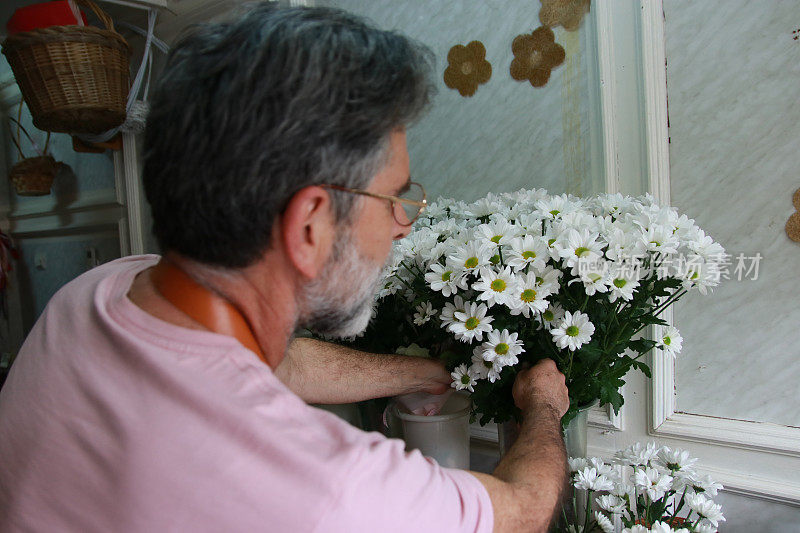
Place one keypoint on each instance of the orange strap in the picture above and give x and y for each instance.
(203, 305)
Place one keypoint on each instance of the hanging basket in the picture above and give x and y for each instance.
(75, 79)
(34, 176)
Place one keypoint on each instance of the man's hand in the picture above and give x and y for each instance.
(541, 387)
(526, 486)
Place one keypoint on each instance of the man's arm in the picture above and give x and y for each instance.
(526, 487)
(321, 372)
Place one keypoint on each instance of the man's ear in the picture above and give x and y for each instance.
(307, 230)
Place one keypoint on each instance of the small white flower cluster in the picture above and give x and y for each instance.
(675, 496)
(509, 254)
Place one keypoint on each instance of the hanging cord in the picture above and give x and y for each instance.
(135, 87)
(18, 140)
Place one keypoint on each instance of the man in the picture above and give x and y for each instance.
(159, 395)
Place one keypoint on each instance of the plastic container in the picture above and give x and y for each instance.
(443, 437)
(42, 15)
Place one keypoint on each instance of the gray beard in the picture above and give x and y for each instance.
(339, 303)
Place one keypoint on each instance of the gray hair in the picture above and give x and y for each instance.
(250, 111)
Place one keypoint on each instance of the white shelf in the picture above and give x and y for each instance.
(141, 4)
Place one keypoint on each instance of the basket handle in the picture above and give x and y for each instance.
(102, 15)
(18, 140)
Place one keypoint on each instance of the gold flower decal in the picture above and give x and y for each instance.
(793, 224)
(535, 55)
(467, 68)
(566, 13)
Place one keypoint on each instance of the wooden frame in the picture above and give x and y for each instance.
(664, 420)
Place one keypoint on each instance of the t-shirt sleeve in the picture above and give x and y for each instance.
(386, 489)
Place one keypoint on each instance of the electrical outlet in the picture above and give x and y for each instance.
(92, 259)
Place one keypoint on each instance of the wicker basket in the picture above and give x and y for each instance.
(34, 176)
(75, 79)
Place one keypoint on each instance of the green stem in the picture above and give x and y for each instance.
(588, 509)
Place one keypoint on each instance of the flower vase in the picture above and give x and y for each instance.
(443, 437)
(575, 434)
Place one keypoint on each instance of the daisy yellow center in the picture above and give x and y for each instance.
(555, 212)
(580, 251)
(539, 280)
(528, 295)
(619, 283)
(548, 315)
(572, 331)
(488, 364)
(471, 323)
(501, 349)
(494, 259)
(694, 275)
(527, 254)
(472, 262)
(496, 238)
(667, 341)
(550, 242)
(498, 285)
(465, 379)
(446, 275)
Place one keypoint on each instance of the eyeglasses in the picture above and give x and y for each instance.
(413, 200)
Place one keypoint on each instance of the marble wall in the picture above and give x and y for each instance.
(734, 109)
(508, 135)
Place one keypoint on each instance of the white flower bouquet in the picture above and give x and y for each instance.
(650, 489)
(493, 286)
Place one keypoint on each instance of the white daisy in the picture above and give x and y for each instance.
(671, 341)
(495, 287)
(484, 368)
(611, 504)
(588, 479)
(660, 239)
(503, 345)
(706, 485)
(705, 508)
(447, 316)
(472, 323)
(552, 315)
(592, 270)
(636, 528)
(676, 461)
(548, 280)
(574, 244)
(574, 331)
(638, 454)
(470, 258)
(652, 481)
(577, 463)
(555, 206)
(498, 231)
(463, 378)
(603, 522)
(624, 280)
(527, 250)
(424, 313)
(445, 279)
(528, 298)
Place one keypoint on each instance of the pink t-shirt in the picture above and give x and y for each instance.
(113, 420)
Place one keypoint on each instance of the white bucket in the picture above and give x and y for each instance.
(443, 437)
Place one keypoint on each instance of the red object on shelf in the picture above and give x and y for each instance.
(46, 14)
